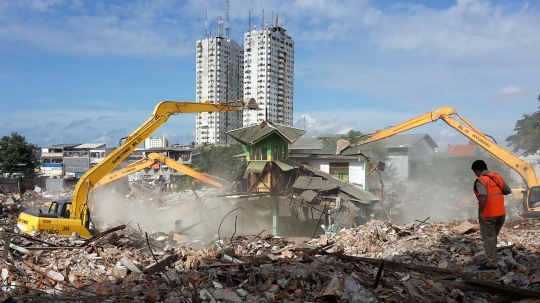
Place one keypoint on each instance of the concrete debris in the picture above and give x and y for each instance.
(375, 262)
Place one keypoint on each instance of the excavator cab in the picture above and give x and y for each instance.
(531, 203)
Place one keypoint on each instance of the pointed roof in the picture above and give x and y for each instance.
(253, 134)
(462, 150)
(393, 142)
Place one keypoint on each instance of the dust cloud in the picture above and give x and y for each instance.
(160, 213)
(441, 203)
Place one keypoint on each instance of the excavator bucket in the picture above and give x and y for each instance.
(342, 145)
(251, 104)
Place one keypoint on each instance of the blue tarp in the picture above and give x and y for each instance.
(55, 165)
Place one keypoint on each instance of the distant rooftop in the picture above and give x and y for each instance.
(396, 141)
(91, 145)
(461, 150)
(65, 145)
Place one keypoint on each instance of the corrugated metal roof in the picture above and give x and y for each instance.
(315, 183)
(396, 141)
(286, 165)
(359, 194)
(307, 143)
(409, 140)
(308, 195)
(252, 134)
(91, 145)
(64, 145)
(346, 190)
(255, 167)
(461, 150)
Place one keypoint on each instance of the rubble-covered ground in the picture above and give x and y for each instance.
(375, 262)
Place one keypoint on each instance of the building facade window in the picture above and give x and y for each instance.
(279, 153)
(258, 153)
(340, 170)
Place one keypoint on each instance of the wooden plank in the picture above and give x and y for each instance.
(396, 264)
(52, 248)
(515, 291)
(7, 242)
(378, 277)
(163, 262)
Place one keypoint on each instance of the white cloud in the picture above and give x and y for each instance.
(510, 91)
(47, 127)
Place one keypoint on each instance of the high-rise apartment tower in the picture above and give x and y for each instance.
(269, 75)
(219, 79)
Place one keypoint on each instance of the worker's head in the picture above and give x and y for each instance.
(478, 167)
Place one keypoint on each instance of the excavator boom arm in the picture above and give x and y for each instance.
(186, 170)
(154, 158)
(128, 169)
(162, 112)
(523, 168)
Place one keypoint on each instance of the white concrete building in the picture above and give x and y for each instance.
(219, 79)
(269, 75)
(155, 142)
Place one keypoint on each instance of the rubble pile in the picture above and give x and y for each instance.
(376, 262)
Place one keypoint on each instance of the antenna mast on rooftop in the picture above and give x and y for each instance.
(227, 24)
(219, 26)
(262, 17)
(277, 19)
(206, 24)
(250, 17)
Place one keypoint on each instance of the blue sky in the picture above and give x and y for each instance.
(93, 71)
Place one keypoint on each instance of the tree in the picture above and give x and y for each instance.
(17, 156)
(218, 161)
(527, 137)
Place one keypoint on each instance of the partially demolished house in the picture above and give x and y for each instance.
(299, 198)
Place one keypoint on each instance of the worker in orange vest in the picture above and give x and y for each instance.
(489, 188)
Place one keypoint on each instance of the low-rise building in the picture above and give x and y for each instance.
(349, 167)
(405, 153)
(156, 142)
(52, 160)
(81, 158)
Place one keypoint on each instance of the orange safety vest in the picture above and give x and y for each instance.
(494, 199)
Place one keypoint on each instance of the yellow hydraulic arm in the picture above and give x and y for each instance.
(186, 170)
(524, 169)
(161, 114)
(128, 169)
(154, 158)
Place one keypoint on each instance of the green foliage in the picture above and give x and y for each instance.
(456, 171)
(17, 156)
(527, 137)
(218, 161)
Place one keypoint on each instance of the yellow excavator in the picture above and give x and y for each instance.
(530, 203)
(73, 215)
(153, 159)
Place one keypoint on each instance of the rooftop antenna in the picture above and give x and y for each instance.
(238, 33)
(250, 25)
(206, 24)
(219, 26)
(227, 24)
(262, 17)
(272, 18)
(277, 19)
